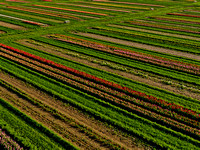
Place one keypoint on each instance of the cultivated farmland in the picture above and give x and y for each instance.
(99, 74)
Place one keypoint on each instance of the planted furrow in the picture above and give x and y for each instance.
(43, 12)
(191, 68)
(178, 126)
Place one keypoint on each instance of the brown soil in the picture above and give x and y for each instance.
(12, 26)
(66, 129)
(1, 32)
(157, 32)
(139, 45)
(177, 90)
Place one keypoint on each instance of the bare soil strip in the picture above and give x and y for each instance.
(153, 81)
(157, 32)
(1, 32)
(66, 129)
(139, 45)
(12, 26)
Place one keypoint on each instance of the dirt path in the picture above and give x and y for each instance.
(156, 32)
(66, 129)
(12, 26)
(1, 32)
(150, 81)
(139, 45)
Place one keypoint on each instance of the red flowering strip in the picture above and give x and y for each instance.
(43, 12)
(95, 7)
(175, 20)
(136, 94)
(130, 3)
(186, 15)
(140, 23)
(131, 54)
(31, 22)
(7, 142)
(103, 88)
(138, 109)
(86, 12)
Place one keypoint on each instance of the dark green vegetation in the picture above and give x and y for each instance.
(133, 66)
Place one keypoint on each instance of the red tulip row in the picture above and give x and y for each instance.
(175, 20)
(34, 23)
(185, 15)
(195, 69)
(108, 90)
(162, 26)
(106, 96)
(137, 94)
(43, 12)
(130, 3)
(73, 10)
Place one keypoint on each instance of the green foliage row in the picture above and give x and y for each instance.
(27, 131)
(133, 124)
(171, 97)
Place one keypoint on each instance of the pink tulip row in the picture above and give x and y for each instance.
(127, 90)
(73, 10)
(8, 143)
(103, 95)
(185, 15)
(140, 23)
(176, 20)
(131, 54)
(103, 88)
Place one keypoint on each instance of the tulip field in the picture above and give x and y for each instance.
(99, 74)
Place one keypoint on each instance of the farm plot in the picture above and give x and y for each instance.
(98, 82)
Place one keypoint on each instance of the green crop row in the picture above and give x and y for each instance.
(145, 51)
(27, 131)
(157, 28)
(68, 11)
(124, 36)
(133, 124)
(171, 97)
(30, 18)
(170, 42)
(17, 22)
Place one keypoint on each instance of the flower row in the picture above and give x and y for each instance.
(130, 3)
(131, 54)
(109, 90)
(185, 15)
(127, 90)
(127, 105)
(7, 142)
(73, 10)
(43, 12)
(175, 20)
(162, 26)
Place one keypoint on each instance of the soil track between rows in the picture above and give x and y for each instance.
(139, 45)
(64, 128)
(12, 26)
(60, 52)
